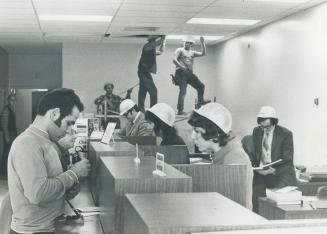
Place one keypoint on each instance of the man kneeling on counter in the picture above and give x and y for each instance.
(136, 125)
(212, 125)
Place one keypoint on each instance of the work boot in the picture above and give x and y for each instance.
(199, 104)
(181, 113)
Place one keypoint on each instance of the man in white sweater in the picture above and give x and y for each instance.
(37, 183)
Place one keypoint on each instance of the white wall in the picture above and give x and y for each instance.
(86, 67)
(3, 68)
(23, 109)
(284, 65)
(35, 71)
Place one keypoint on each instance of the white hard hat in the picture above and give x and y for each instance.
(164, 112)
(189, 39)
(218, 114)
(267, 112)
(126, 105)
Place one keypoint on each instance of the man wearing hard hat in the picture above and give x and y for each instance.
(136, 125)
(184, 75)
(212, 125)
(147, 66)
(271, 142)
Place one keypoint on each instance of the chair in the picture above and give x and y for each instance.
(322, 192)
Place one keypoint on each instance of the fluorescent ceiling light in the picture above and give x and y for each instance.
(222, 21)
(285, 1)
(181, 37)
(80, 18)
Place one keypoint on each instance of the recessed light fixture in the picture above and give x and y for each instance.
(197, 37)
(79, 18)
(279, 1)
(222, 21)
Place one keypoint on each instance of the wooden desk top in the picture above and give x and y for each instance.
(297, 230)
(91, 224)
(117, 146)
(191, 210)
(126, 168)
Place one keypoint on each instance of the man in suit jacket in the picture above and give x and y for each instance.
(271, 142)
(136, 125)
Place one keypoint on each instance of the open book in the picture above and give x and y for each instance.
(263, 167)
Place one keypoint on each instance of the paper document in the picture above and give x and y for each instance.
(267, 165)
(96, 135)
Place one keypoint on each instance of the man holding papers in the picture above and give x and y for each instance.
(273, 154)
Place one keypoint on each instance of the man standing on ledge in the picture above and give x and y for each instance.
(184, 71)
(37, 183)
(148, 65)
(271, 143)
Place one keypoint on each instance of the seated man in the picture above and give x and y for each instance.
(212, 125)
(136, 125)
(271, 142)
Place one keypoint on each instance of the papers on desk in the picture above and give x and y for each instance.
(199, 161)
(90, 211)
(96, 135)
(287, 195)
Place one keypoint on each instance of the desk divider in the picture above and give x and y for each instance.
(228, 180)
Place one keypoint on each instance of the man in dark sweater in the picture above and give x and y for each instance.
(8, 126)
(148, 65)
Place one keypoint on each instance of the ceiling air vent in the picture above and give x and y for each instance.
(147, 29)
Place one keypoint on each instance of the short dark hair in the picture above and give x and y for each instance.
(273, 121)
(108, 84)
(160, 125)
(62, 98)
(212, 130)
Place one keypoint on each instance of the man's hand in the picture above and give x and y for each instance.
(73, 191)
(67, 141)
(270, 170)
(129, 91)
(81, 168)
(202, 40)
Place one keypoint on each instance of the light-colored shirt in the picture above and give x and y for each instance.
(36, 182)
(185, 57)
(266, 152)
(233, 153)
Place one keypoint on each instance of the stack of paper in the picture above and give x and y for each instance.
(285, 196)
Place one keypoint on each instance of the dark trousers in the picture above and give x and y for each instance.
(146, 86)
(4, 158)
(260, 183)
(13, 232)
(184, 78)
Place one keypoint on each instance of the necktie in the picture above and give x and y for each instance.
(266, 146)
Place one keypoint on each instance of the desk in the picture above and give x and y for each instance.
(97, 150)
(181, 213)
(91, 224)
(271, 210)
(310, 188)
(297, 230)
(120, 175)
